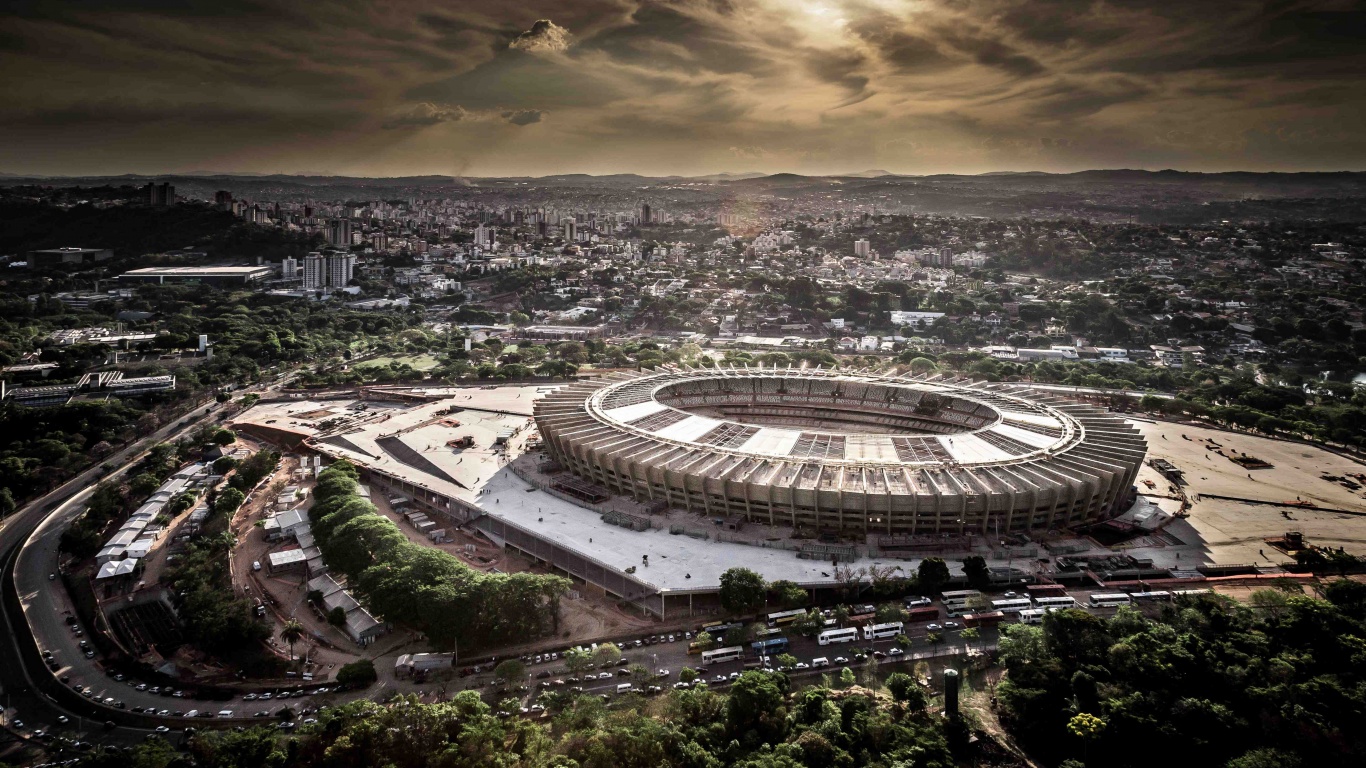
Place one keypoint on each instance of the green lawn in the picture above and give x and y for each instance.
(423, 362)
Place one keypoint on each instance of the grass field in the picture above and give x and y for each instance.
(417, 362)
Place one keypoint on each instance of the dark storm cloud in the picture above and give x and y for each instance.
(682, 85)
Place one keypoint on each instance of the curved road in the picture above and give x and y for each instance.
(43, 605)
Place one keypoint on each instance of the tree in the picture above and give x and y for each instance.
(224, 437)
(705, 641)
(578, 660)
(1086, 727)
(510, 670)
(889, 612)
(742, 590)
(933, 574)
(975, 568)
(357, 674)
(223, 465)
(788, 594)
(292, 632)
(337, 616)
(228, 501)
(687, 675)
(923, 365)
(606, 654)
(970, 635)
(847, 677)
(906, 690)
(6, 503)
(786, 661)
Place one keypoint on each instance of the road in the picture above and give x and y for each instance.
(44, 603)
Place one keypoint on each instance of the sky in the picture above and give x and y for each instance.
(680, 87)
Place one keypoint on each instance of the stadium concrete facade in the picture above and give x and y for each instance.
(828, 450)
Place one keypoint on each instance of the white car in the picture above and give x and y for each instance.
(256, 565)
(918, 601)
(933, 627)
(801, 665)
(895, 652)
(662, 672)
(841, 660)
(604, 675)
(734, 676)
(951, 625)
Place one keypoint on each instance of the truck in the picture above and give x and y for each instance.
(414, 663)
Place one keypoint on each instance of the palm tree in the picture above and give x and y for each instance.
(291, 633)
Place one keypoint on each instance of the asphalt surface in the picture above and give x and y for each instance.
(45, 603)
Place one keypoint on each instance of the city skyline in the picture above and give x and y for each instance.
(681, 88)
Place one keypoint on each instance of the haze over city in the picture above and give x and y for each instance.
(686, 88)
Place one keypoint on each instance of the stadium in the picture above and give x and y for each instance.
(846, 452)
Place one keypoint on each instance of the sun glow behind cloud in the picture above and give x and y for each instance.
(683, 86)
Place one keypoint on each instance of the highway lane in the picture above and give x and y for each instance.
(22, 699)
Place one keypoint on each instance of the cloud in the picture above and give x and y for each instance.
(426, 113)
(683, 86)
(523, 116)
(544, 35)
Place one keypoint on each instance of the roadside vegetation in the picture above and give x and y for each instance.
(421, 587)
(1279, 681)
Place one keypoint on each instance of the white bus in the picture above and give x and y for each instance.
(722, 655)
(1191, 592)
(1151, 597)
(883, 631)
(1035, 615)
(1060, 602)
(1012, 605)
(1110, 600)
(785, 617)
(959, 596)
(847, 635)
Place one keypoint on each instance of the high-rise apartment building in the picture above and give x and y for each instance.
(645, 213)
(159, 194)
(571, 231)
(862, 249)
(315, 271)
(289, 268)
(340, 267)
(339, 233)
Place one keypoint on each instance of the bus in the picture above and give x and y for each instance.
(1035, 615)
(988, 619)
(923, 613)
(722, 655)
(1055, 602)
(785, 617)
(846, 635)
(1177, 593)
(1110, 600)
(1012, 604)
(959, 596)
(960, 609)
(1151, 597)
(767, 632)
(711, 624)
(883, 631)
(1046, 590)
(719, 629)
(770, 647)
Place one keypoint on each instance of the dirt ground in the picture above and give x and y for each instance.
(1232, 531)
